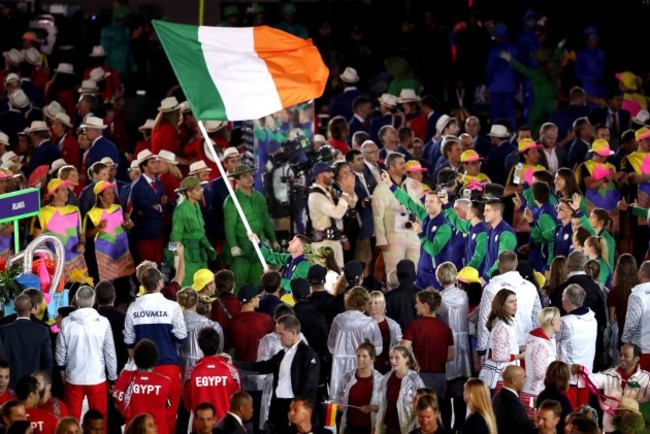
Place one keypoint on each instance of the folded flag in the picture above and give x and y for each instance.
(330, 414)
(244, 73)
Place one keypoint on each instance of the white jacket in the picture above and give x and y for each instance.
(455, 314)
(576, 340)
(528, 306)
(410, 383)
(85, 348)
(349, 330)
(637, 319)
(610, 382)
(349, 379)
(541, 351)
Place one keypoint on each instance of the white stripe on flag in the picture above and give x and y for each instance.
(240, 75)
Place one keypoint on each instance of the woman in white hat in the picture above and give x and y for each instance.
(63, 88)
(67, 142)
(188, 228)
(145, 143)
(64, 221)
(165, 130)
(168, 173)
(112, 83)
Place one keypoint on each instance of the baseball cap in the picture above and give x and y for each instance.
(201, 278)
(353, 270)
(316, 274)
(300, 288)
(321, 167)
(249, 292)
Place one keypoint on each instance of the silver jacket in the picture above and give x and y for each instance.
(349, 380)
(189, 350)
(349, 330)
(454, 313)
(410, 383)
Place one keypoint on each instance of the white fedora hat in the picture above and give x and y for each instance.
(98, 74)
(230, 152)
(108, 161)
(498, 131)
(169, 104)
(213, 126)
(88, 87)
(408, 95)
(4, 139)
(198, 166)
(98, 51)
(167, 157)
(19, 99)
(13, 55)
(145, 155)
(388, 100)
(94, 122)
(52, 109)
(65, 68)
(32, 56)
(641, 117)
(349, 75)
(185, 107)
(134, 165)
(56, 165)
(148, 125)
(12, 76)
(37, 126)
(64, 119)
(10, 157)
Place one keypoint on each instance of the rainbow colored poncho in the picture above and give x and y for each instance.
(111, 243)
(65, 223)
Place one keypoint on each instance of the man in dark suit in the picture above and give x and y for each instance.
(360, 120)
(27, 343)
(36, 298)
(100, 146)
(612, 116)
(400, 302)
(565, 117)
(105, 296)
(241, 410)
(509, 411)
(341, 104)
(300, 379)
(584, 134)
(372, 167)
(45, 152)
(149, 206)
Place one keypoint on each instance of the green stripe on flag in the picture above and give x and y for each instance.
(183, 49)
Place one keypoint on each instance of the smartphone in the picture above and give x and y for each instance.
(172, 246)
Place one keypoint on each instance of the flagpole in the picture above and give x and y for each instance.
(224, 176)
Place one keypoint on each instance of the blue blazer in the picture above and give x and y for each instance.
(148, 221)
(215, 195)
(101, 149)
(364, 210)
(341, 104)
(45, 154)
(356, 125)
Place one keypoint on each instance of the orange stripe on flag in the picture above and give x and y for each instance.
(295, 64)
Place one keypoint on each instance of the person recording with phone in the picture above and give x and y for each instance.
(432, 228)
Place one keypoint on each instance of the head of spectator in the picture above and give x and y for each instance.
(208, 341)
(391, 280)
(477, 398)
(494, 212)
(573, 297)
(427, 413)
(541, 193)
(592, 269)
(44, 382)
(250, 296)
(625, 275)
(204, 418)
(583, 129)
(271, 281)
(141, 424)
(452, 150)
(224, 281)
(287, 327)
(471, 162)
(27, 391)
(402, 360)
(353, 272)
(362, 107)
(548, 133)
(301, 410)
(203, 282)
(241, 404)
(20, 427)
(405, 272)
(366, 355)
(629, 357)
(358, 138)
(427, 303)
(405, 136)
(422, 391)
(557, 376)
(145, 355)
(357, 298)
(580, 235)
(297, 245)
(565, 183)
(12, 411)
(499, 133)
(5, 376)
(85, 297)
(376, 306)
(644, 272)
(469, 281)
(389, 137)
(300, 289)
(338, 129)
(396, 165)
(548, 416)
(504, 308)
(629, 422)
(282, 310)
(507, 261)
(355, 159)
(62, 313)
(316, 276)
(472, 126)
(549, 320)
(576, 262)
(99, 172)
(514, 377)
(93, 422)
(105, 293)
(23, 306)
(577, 422)
(37, 301)
(370, 152)
(628, 143)
(446, 274)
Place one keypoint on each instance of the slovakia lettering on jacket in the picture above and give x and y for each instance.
(150, 314)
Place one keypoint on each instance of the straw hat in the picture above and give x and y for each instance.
(38, 126)
(4, 139)
(414, 166)
(65, 68)
(145, 155)
(169, 104)
(408, 95)
(108, 161)
(134, 165)
(12, 158)
(148, 125)
(185, 107)
(470, 156)
(102, 186)
(94, 122)
(32, 56)
(498, 130)
(230, 152)
(19, 99)
(199, 166)
(56, 184)
(601, 147)
(214, 126)
(88, 87)
(468, 275)
(56, 165)
(240, 170)
(167, 157)
(98, 74)
(64, 119)
(51, 109)
(388, 100)
(98, 51)
(349, 75)
(189, 183)
(13, 55)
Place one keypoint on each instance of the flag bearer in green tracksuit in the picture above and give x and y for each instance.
(543, 224)
(245, 263)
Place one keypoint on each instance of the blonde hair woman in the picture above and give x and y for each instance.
(481, 419)
(391, 332)
(541, 351)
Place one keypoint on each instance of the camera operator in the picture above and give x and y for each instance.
(433, 229)
(326, 209)
(393, 222)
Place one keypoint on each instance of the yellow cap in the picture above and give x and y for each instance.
(202, 278)
(468, 275)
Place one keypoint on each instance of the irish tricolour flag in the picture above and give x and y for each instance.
(242, 73)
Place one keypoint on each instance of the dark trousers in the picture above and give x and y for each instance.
(278, 414)
(455, 391)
